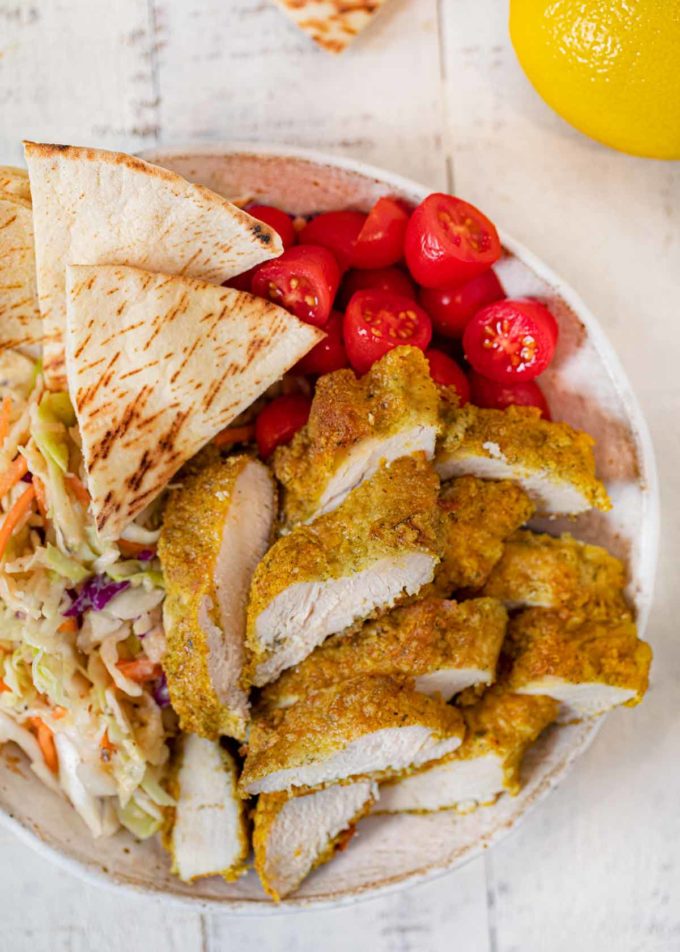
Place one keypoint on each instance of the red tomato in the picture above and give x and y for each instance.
(376, 321)
(446, 373)
(498, 396)
(451, 308)
(449, 242)
(329, 354)
(337, 231)
(280, 420)
(241, 282)
(277, 219)
(380, 242)
(304, 280)
(386, 279)
(511, 341)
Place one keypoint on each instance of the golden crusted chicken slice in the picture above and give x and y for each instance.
(479, 517)
(216, 528)
(553, 462)
(209, 834)
(379, 546)
(292, 835)
(589, 664)
(354, 425)
(446, 646)
(368, 726)
(500, 728)
(538, 570)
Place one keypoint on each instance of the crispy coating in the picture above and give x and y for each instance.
(328, 720)
(539, 570)
(577, 647)
(396, 395)
(409, 641)
(189, 547)
(479, 517)
(527, 442)
(392, 514)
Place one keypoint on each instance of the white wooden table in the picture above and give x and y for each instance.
(432, 91)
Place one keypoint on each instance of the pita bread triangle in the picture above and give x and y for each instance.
(157, 366)
(97, 207)
(20, 323)
(333, 24)
(15, 182)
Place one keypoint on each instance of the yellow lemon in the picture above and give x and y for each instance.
(609, 67)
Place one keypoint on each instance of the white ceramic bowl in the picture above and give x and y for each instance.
(586, 386)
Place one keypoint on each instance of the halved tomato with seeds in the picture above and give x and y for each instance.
(304, 280)
(511, 340)
(377, 321)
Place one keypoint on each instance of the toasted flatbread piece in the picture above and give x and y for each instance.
(332, 24)
(20, 324)
(96, 207)
(157, 366)
(15, 182)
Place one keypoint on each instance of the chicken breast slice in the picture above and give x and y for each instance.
(368, 726)
(292, 835)
(479, 516)
(553, 462)
(209, 833)
(538, 570)
(500, 728)
(588, 662)
(379, 547)
(216, 528)
(446, 646)
(354, 426)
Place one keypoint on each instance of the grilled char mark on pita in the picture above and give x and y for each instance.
(15, 182)
(333, 24)
(20, 324)
(97, 207)
(157, 366)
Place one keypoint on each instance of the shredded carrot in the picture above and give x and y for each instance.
(69, 626)
(140, 670)
(40, 497)
(105, 743)
(58, 712)
(14, 517)
(16, 469)
(234, 434)
(131, 549)
(3, 686)
(78, 490)
(45, 738)
(5, 412)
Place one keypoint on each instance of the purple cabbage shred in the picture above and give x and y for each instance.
(160, 692)
(95, 594)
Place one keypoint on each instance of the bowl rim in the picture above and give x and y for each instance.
(91, 872)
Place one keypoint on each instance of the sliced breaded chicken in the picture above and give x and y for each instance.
(354, 425)
(216, 528)
(446, 646)
(589, 664)
(553, 462)
(538, 570)
(292, 835)
(500, 727)
(209, 833)
(368, 726)
(479, 517)
(378, 547)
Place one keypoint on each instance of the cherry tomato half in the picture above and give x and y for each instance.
(280, 420)
(329, 354)
(337, 231)
(498, 396)
(446, 373)
(241, 282)
(451, 308)
(278, 220)
(449, 242)
(386, 279)
(380, 242)
(304, 280)
(511, 341)
(376, 321)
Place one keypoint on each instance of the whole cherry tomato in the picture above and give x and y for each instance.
(329, 354)
(497, 396)
(451, 308)
(511, 340)
(377, 321)
(380, 242)
(449, 242)
(304, 280)
(386, 279)
(280, 420)
(337, 231)
(446, 373)
(278, 220)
